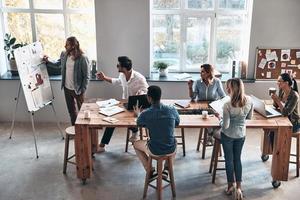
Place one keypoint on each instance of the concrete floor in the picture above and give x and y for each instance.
(120, 175)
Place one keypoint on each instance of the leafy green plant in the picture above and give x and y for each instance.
(160, 65)
(10, 45)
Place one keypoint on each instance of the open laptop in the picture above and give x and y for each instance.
(261, 108)
(140, 100)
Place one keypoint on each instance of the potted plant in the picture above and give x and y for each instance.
(10, 45)
(162, 67)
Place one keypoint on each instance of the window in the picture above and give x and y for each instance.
(188, 33)
(51, 22)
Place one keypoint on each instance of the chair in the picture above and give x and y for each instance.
(297, 137)
(182, 137)
(215, 157)
(203, 139)
(70, 134)
(141, 136)
(159, 187)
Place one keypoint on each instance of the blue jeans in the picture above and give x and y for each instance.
(232, 149)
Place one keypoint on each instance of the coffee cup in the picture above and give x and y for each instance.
(272, 91)
(204, 114)
(87, 114)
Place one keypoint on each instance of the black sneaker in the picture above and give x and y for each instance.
(165, 174)
(153, 175)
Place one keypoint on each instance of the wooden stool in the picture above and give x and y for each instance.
(70, 134)
(182, 137)
(141, 136)
(297, 162)
(215, 157)
(203, 139)
(159, 187)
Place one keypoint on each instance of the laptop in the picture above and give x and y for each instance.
(261, 108)
(140, 100)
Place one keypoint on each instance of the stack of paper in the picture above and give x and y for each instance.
(183, 103)
(218, 105)
(183, 76)
(110, 119)
(107, 103)
(112, 110)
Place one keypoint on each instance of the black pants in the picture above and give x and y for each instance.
(70, 97)
(109, 132)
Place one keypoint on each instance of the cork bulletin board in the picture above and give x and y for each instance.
(271, 62)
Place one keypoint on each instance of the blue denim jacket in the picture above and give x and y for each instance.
(160, 120)
(211, 92)
(234, 118)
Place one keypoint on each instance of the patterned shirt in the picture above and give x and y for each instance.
(136, 84)
(160, 120)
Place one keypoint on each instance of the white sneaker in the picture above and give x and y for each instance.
(101, 149)
(133, 138)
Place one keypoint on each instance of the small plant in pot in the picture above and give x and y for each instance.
(10, 45)
(162, 67)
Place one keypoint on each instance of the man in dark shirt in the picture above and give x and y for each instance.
(160, 120)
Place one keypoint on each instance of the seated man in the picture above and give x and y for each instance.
(133, 83)
(160, 120)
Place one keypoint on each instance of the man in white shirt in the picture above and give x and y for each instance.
(133, 83)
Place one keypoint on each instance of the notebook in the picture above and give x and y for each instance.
(261, 108)
(140, 100)
(107, 103)
(183, 103)
(109, 111)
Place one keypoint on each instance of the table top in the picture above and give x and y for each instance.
(127, 119)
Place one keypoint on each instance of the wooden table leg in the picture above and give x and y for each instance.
(95, 140)
(281, 152)
(266, 147)
(83, 152)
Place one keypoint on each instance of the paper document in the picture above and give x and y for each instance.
(110, 119)
(109, 111)
(218, 105)
(183, 76)
(107, 103)
(183, 103)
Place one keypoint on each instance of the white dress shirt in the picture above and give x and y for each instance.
(136, 84)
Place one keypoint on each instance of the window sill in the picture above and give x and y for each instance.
(171, 77)
(154, 77)
(8, 76)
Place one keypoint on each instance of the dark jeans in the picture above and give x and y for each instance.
(70, 97)
(232, 149)
(109, 132)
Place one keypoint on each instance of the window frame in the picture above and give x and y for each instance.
(65, 11)
(213, 14)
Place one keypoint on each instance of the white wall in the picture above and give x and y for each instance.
(123, 29)
(275, 23)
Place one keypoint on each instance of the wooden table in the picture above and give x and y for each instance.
(86, 138)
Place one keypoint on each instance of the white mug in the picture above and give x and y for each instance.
(87, 114)
(204, 114)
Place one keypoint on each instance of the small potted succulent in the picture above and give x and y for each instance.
(162, 67)
(9, 46)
